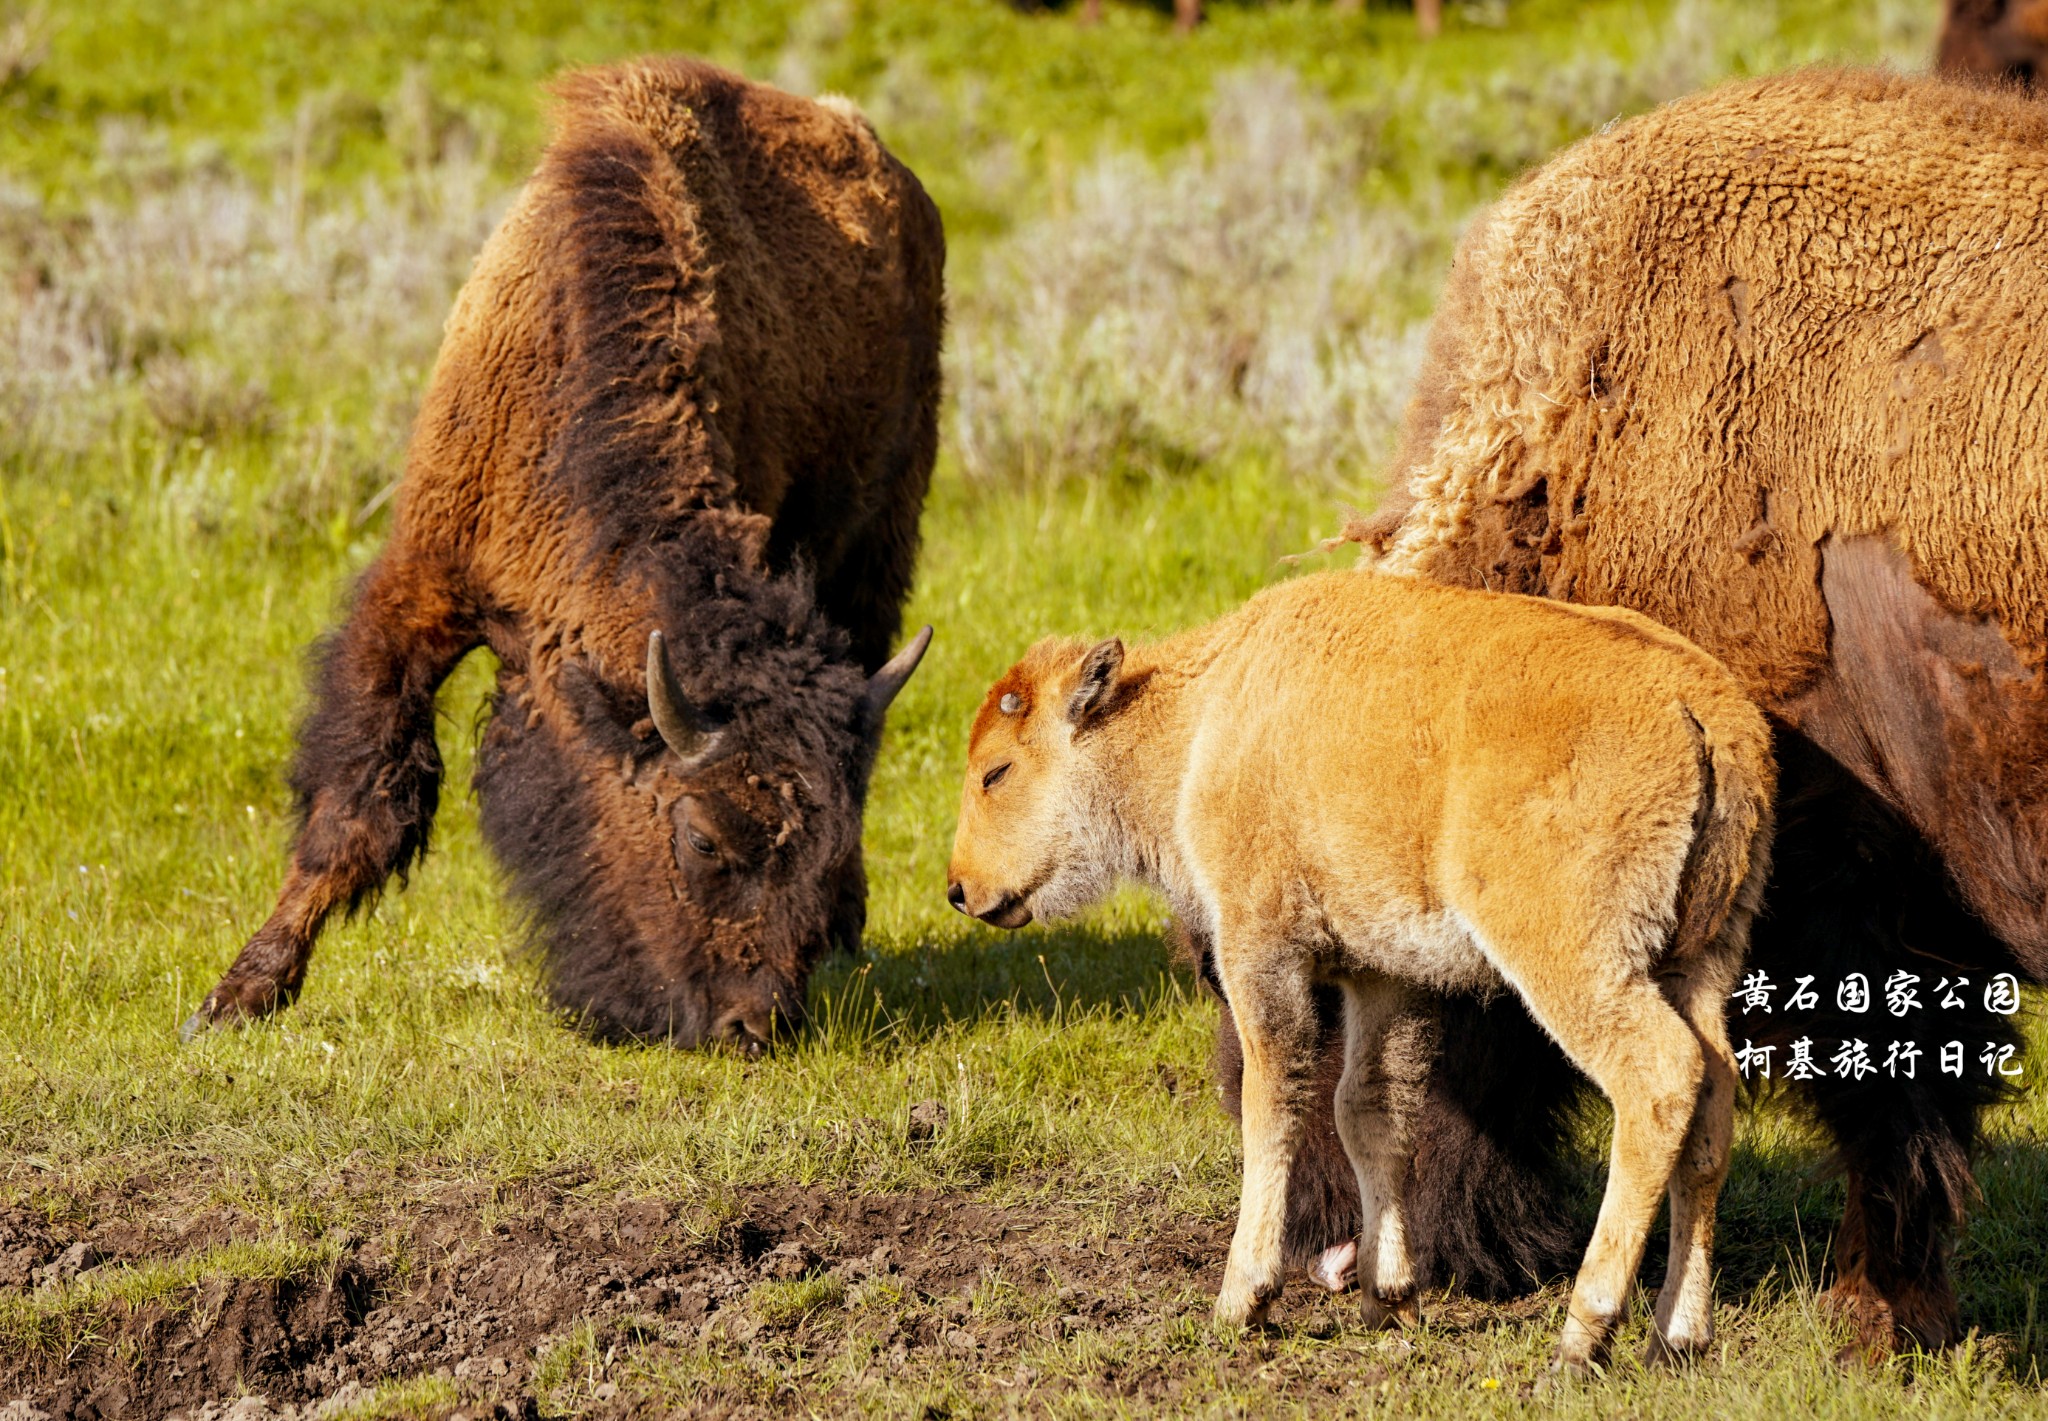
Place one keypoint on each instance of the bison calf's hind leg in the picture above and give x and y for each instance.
(367, 776)
(1685, 1304)
(1646, 1060)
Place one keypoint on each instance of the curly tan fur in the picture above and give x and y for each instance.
(1767, 365)
(1695, 358)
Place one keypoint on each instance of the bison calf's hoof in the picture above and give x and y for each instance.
(1392, 1311)
(1244, 1306)
(1661, 1354)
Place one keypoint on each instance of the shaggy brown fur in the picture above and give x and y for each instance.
(2001, 40)
(1767, 365)
(1401, 790)
(691, 385)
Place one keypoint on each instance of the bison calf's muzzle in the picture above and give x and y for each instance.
(1399, 790)
(1003, 910)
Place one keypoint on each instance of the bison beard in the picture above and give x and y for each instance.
(782, 678)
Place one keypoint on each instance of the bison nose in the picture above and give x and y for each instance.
(957, 896)
(749, 1033)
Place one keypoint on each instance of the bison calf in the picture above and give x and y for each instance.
(1403, 789)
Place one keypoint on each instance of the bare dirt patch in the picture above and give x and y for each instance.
(480, 1290)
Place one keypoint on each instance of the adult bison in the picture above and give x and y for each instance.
(1767, 365)
(690, 390)
(2004, 40)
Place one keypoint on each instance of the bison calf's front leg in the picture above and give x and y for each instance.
(1278, 1032)
(367, 776)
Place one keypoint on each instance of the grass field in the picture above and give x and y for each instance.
(1188, 281)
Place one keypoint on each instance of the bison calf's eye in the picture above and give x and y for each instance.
(995, 777)
(700, 844)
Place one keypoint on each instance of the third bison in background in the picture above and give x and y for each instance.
(2005, 41)
(1759, 365)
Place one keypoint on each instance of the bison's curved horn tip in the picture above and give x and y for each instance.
(682, 728)
(885, 683)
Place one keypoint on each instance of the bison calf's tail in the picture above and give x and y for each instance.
(367, 775)
(1723, 881)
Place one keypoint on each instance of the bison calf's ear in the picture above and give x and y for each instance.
(1098, 676)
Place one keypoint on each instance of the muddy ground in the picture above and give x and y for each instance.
(781, 1298)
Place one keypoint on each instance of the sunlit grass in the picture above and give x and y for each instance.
(158, 585)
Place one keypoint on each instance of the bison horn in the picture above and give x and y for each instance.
(682, 726)
(885, 683)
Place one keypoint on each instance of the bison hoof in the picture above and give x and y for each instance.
(228, 1005)
(1878, 1334)
(1244, 1306)
(1660, 1354)
(1402, 1311)
(1569, 1371)
(1336, 1269)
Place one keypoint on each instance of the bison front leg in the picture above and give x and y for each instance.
(367, 775)
(1855, 890)
(1277, 1034)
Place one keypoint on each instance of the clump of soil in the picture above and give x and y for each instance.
(476, 1290)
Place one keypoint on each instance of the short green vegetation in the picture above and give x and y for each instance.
(1190, 280)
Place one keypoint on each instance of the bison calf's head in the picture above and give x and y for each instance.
(1025, 846)
(690, 846)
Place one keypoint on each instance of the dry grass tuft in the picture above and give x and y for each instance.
(1231, 301)
(198, 304)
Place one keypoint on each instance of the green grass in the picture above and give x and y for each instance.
(158, 586)
(60, 1319)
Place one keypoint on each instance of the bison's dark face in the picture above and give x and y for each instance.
(689, 854)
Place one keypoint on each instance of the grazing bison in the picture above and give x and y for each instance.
(2005, 40)
(1767, 366)
(1397, 789)
(689, 390)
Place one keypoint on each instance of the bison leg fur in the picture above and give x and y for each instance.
(367, 776)
(1388, 1049)
(1685, 1304)
(1856, 889)
(1646, 1059)
(1278, 1032)
(1492, 1183)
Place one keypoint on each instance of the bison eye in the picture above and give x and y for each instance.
(700, 843)
(994, 777)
